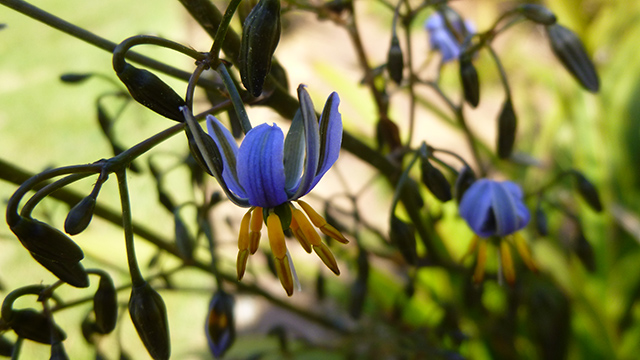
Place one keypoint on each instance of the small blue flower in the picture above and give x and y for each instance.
(220, 326)
(268, 171)
(441, 38)
(493, 208)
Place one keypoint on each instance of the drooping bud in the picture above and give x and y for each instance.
(147, 89)
(73, 78)
(537, 13)
(466, 177)
(403, 236)
(395, 60)
(105, 305)
(584, 251)
(260, 36)
(149, 316)
(435, 181)
(469, 80)
(71, 272)
(80, 216)
(36, 326)
(220, 326)
(46, 241)
(588, 191)
(569, 50)
(507, 126)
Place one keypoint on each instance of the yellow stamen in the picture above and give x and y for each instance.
(321, 223)
(307, 229)
(295, 228)
(283, 269)
(243, 236)
(507, 263)
(255, 228)
(276, 236)
(471, 248)
(241, 263)
(481, 260)
(325, 254)
(525, 254)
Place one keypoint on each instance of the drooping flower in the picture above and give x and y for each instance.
(495, 209)
(442, 39)
(268, 172)
(220, 326)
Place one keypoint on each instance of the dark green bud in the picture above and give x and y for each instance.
(184, 241)
(569, 50)
(33, 325)
(58, 352)
(46, 241)
(435, 181)
(149, 316)
(402, 235)
(72, 273)
(80, 216)
(395, 60)
(588, 191)
(466, 177)
(105, 305)
(537, 13)
(584, 251)
(88, 328)
(6, 346)
(507, 126)
(147, 89)
(411, 192)
(469, 80)
(284, 213)
(220, 326)
(72, 78)
(260, 36)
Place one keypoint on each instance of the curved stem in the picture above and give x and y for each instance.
(221, 33)
(134, 269)
(121, 50)
(238, 104)
(45, 191)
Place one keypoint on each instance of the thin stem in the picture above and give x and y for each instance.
(121, 50)
(238, 104)
(45, 191)
(134, 269)
(412, 80)
(221, 33)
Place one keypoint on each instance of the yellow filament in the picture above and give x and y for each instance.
(316, 218)
(481, 260)
(254, 229)
(324, 253)
(307, 229)
(295, 228)
(241, 263)
(283, 270)
(243, 236)
(507, 263)
(525, 254)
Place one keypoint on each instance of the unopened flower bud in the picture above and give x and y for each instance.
(569, 50)
(470, 82)
(403, 236)
(466, 177)
(72, 78)
(46, 241)
(588, 191)
(260, 36)
(71, 272)
(105, 305)
(507, 126)
(395, 60)
(435, 181)
(537, 13)
(147, 89)
(584, 251)
(220, 326)
(80, 216)
(149, 316)
(36, 326)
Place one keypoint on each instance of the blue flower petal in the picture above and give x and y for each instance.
(294, 154)
(504, 208)
(441, 38)
(261, 167)
(475, 208)
(229, 152)
(330, 137)
(312, 141)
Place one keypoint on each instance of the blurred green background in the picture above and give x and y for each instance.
(45, 123)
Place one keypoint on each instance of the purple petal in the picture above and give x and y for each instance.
(229, 152)
(261, 167)
(475, 208)
(504, 209)
(312, 142)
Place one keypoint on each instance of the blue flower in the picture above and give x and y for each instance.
(441, 38)
(494, 208)
(268, 171)
(220, 326)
